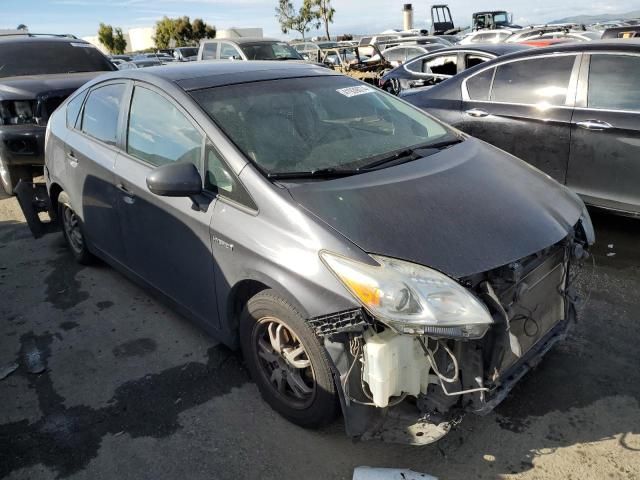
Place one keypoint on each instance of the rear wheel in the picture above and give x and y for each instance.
(72, 230)
(287, 362)
(10, 175)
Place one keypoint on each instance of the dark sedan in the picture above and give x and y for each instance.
(573, 111)
(434, 67)
(356, 249)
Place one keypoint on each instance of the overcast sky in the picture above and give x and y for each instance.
(81, 17)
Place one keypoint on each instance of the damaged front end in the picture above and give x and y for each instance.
(410, 382)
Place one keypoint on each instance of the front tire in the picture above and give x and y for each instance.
(72, 230)
(287, 362)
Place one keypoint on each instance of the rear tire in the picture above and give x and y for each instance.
(72, 231)
(10, 175)
(287, 362)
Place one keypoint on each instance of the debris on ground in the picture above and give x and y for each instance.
(371, 473)
(8, 369)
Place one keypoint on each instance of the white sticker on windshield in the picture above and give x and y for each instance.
(353, 91)
(82, 45)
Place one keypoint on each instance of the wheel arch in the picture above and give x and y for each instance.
(54, 192)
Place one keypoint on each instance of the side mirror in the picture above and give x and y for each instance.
(175, 180)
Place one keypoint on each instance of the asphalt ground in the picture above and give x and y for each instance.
(112, 384)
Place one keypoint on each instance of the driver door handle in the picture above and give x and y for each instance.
(596, 125)
(124, 191)
(476, 112)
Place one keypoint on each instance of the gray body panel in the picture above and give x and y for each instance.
(466, 210)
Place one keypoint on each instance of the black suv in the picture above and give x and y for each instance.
(37, 73)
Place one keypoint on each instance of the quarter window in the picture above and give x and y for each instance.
(73, 110)
(472, 60)
(539, 81)
(220, 179)
(613, 82)
(159, 133)
(227, 51)
(479, 85)
(101, 111)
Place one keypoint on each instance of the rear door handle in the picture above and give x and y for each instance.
(596, 125)
(72, 156)
(476, 112)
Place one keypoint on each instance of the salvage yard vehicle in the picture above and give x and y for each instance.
(435, 67)
(571, 110)
(357, 250)
(37, 72)
(350, 61)
(247, 48)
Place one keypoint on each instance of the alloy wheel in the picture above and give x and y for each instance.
(71, 224)
(284, 362)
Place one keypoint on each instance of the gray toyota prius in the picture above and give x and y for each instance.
(365, 257)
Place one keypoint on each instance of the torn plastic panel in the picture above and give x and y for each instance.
(413, 388)
(34, 200)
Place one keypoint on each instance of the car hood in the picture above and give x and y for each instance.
(465, 210)
(29, 87)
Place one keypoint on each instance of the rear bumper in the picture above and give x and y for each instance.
(22, 144)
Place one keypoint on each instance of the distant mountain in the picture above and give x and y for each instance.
(588, 19)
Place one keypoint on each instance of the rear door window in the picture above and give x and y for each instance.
(538, 81)
(613, 82)
(173, 139)
(441, 65)
(210, 51)
(101, 112)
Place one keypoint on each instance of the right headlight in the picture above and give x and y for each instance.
(411, 298)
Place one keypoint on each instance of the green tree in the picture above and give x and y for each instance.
(202, 30)
(105, 36)
(324, 11)
(119, 42)
(180, 31)
(301, 21)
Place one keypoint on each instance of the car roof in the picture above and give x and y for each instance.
(23, 38)
(241, 40)
(493, 48)
(625, 44)
(196, 75)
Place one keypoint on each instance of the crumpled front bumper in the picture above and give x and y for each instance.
(533, 309)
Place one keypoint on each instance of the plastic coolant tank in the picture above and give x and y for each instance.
(393, 364)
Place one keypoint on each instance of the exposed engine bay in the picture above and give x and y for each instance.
(410, 386)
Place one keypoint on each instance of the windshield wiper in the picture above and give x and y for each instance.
(399, 156)
(410, 154)
(330, 172)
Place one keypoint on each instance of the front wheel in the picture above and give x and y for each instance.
(287, 361)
